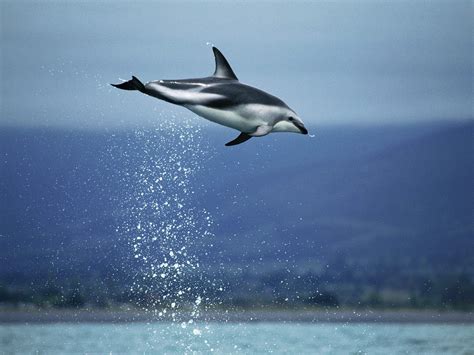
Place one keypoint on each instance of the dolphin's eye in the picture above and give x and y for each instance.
(290, 118)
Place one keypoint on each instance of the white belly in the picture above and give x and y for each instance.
(228, 118)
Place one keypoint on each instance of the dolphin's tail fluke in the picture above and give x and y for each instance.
(133, 84)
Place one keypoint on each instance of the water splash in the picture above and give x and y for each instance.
(165, 227)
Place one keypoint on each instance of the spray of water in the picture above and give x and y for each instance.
(164, 226)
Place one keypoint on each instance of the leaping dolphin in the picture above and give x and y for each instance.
(221, 98)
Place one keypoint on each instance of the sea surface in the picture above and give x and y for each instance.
(237, 338)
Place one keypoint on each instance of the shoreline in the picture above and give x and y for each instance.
(237, 316)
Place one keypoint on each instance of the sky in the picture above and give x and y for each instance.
(339, 62)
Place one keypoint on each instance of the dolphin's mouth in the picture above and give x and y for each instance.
(302, 128)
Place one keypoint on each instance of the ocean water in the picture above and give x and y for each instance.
(237, 338)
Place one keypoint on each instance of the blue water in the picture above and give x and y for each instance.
(248, 338)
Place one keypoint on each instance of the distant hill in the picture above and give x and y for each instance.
(352, 206)
(412, 199)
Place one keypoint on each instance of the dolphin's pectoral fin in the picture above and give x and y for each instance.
(261, 131)
(243, 137)
(223, 69)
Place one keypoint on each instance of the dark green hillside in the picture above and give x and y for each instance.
(377, 216)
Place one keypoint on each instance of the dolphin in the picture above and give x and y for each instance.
(223, 99)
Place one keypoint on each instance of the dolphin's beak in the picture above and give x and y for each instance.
(301, 127)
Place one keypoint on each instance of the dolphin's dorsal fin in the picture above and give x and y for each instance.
(223, 69)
